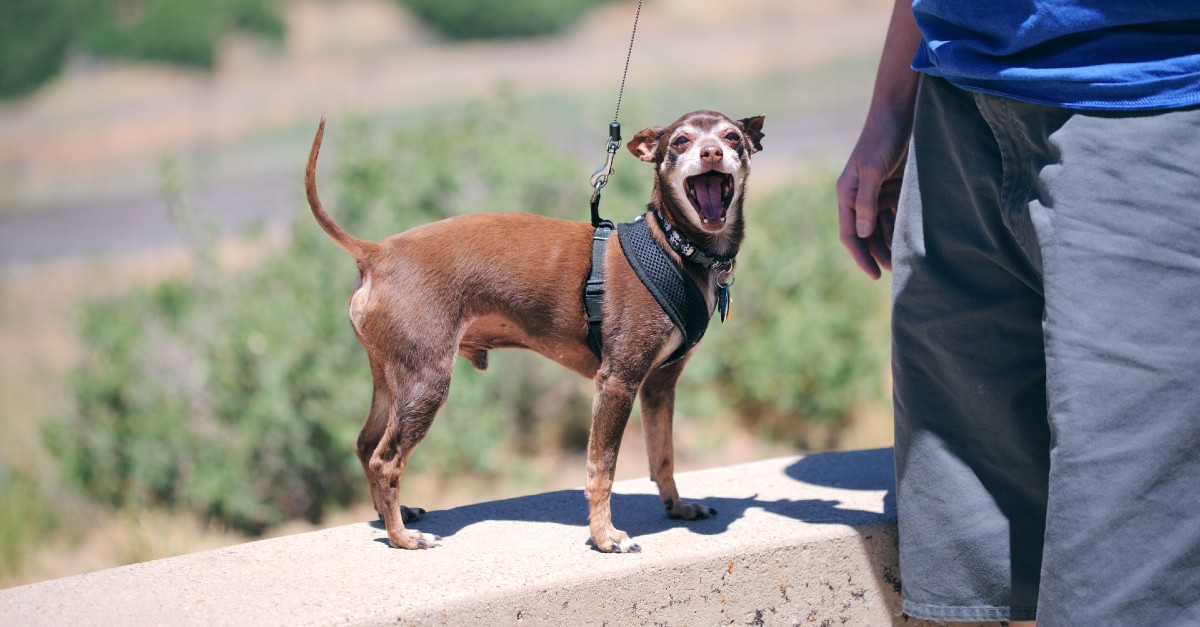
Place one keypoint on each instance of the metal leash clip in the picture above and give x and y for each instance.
(600, 176)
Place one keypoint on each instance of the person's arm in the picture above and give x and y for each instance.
(869, 187)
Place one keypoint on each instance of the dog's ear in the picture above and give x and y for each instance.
(753, 129)
(644, 145)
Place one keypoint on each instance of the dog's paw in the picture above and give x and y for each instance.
(411, 514)
(628, 546)
(617, 542)
(412, 539)
(689, 511)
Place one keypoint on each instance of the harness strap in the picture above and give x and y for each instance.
(674, 290)
(593, 291)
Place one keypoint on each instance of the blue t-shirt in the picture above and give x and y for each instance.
(1083, 54)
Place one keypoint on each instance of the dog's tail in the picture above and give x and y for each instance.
(357, 247)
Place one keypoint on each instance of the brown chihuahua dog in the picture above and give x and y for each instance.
(472, 283)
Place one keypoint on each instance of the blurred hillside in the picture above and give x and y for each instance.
(96, 166)
(80, 157)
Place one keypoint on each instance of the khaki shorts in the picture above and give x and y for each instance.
(1046, 358)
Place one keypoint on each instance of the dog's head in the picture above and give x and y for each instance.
(702, 162)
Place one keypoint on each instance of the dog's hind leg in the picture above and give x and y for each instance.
(372, 432)
(368, 440)
(658, 408)
(414, 403)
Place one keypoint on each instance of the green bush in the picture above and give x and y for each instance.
(807, 336)
(179, 404)
(36, 34)
(239, 396)
(486, 19)
(25, 518)
(185, 32)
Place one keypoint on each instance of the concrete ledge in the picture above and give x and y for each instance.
(797, 541)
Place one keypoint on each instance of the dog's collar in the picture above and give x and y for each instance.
(690, 251)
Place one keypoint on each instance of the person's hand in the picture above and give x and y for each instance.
(867, 194)
(869, 188)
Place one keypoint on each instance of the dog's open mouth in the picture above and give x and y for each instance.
(710, 194)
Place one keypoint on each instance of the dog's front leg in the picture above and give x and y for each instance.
(610, 413)
(658, 408)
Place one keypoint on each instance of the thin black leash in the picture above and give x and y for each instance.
(628, 55)
(600, 176)
(593, 291)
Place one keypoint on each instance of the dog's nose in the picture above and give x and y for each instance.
(711, 154)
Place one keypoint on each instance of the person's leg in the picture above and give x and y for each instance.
(1117, 215)
(972, 442)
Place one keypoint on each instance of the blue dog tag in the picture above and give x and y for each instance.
(723, 301)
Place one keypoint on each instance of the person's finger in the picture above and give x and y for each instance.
(846, 193)
(866, 203)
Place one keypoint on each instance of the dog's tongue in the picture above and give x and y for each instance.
(708, 196)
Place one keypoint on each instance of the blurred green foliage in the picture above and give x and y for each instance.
(487, 19)
(238, 396)
(25, 518)
(35, 35)
(807, 335)
(185, 32)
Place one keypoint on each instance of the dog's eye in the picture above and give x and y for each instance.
(732, 136)
(681, 140)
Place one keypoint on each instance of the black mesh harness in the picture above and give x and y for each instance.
(674, 290)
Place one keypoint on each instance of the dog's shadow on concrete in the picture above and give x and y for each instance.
(643, 515)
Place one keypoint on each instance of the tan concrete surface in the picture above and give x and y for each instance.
(797, 541)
